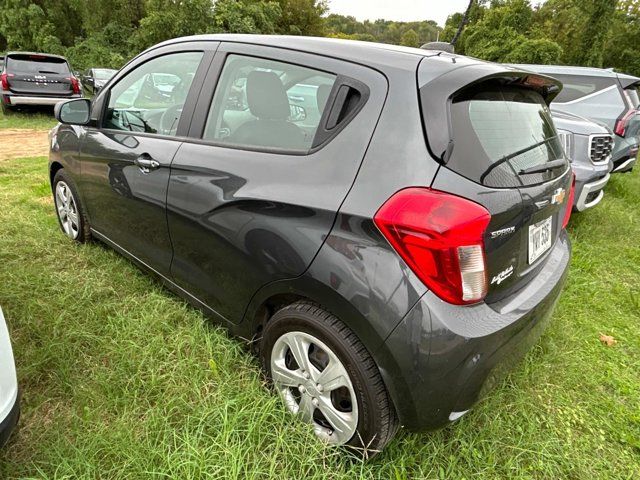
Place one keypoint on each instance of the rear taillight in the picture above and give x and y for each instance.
(441, 238)
(569, 207)
(4, 80)
(621, 124)
(75, 84)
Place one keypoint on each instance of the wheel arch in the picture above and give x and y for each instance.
(271, 297)
(54, 167)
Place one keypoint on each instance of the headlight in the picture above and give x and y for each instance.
(566, 139)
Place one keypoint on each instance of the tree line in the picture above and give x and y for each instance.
(601, 33)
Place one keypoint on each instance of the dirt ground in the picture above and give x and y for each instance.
(16, 143)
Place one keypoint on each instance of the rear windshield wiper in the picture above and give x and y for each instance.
(46, 71)
(544, 167)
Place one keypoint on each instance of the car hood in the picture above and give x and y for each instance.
(576, 124)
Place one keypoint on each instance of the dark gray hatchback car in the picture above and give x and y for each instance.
(387, 224)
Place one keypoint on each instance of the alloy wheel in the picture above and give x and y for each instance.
(67, 210)
(315, 385)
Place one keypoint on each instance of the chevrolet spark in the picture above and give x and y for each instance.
(387, 224)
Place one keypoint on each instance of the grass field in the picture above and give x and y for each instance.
(36, 118)
(121, 379)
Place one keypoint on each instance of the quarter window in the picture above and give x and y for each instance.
(150, 98)
(262, 103)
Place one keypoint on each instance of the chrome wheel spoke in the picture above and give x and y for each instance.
(73, 217)
(283, 377)
(300, 351)
(333, 376)
(306, 408)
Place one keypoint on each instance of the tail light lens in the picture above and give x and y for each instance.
(4, 80)
(75, 84)
(621, 124)
(441, 238)
(569, 208)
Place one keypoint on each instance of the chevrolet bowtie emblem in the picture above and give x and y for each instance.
(558, 196)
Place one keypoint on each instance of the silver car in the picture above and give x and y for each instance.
(588, 145)
(605, 96)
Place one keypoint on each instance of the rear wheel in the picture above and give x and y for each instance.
(6, 109)
(326, 376)
(71, 215)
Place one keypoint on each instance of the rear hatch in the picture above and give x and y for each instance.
(504, 153)
(37, 74)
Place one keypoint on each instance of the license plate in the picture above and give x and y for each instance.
(539, 239)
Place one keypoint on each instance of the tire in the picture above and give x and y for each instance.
(71, 214)
(369, 422)
(6, 109)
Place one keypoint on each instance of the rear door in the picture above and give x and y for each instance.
(274, 151)
(507, 157)
(37, 74)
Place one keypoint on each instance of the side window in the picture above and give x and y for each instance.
(576, 86)
(150, 98)
(262, 103)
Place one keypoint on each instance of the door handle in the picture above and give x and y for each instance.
(146, 163)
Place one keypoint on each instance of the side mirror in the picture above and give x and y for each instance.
(73, 112)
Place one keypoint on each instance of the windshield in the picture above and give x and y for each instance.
(103, 74)
(37, 64)
(502, 135)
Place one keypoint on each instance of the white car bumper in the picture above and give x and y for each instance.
(17, 100)
(8, 383)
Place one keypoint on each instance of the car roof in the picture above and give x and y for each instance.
(50, 55)
(365, 53)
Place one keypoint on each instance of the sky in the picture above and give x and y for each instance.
(400, 10)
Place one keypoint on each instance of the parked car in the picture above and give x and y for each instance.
(36, 79)
(588, 145)
(95, 78)
(605, 96)
(9, 398)
(388, 268)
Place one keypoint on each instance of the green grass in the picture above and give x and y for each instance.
(39, 119)
(121, 379)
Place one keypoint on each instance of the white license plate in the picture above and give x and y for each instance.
(539, 239)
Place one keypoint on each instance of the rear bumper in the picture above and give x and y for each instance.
(442, 358)
(18, 100)
(589, 194)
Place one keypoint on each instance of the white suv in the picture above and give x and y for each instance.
(9, 404)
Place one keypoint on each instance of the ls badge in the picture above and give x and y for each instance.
(502, 276)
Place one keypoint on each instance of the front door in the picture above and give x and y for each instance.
(125, 162)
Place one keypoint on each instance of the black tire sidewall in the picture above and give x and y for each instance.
(286, 321)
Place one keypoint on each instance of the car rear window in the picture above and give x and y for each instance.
(499, 132)
(577, 86)
(632, 95)
(36, 64)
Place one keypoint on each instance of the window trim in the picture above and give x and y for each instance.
(207, 95)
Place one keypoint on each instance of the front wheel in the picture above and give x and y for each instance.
(70, 212)
(327, 378)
